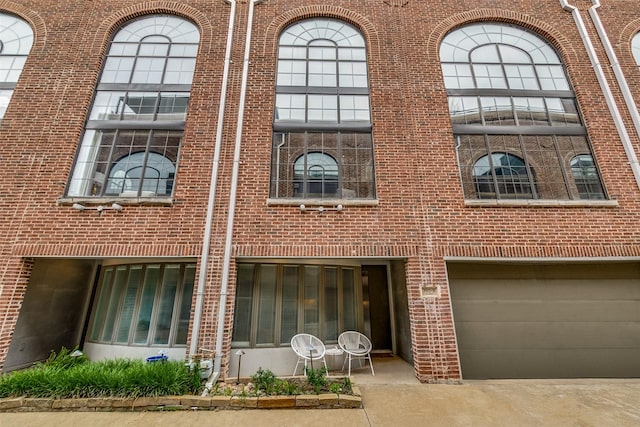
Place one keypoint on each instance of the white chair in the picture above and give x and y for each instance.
(308, 348)
(357, 346)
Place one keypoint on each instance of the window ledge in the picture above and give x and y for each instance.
(322, 202)
(93, 201)
(543, 203)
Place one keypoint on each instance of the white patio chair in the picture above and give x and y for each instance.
(357, 346)
(308, 348)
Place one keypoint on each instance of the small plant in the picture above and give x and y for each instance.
(347, 385)
(65, 358)
(264, 380)
(287, 388)
(316, 378)
(335, 388)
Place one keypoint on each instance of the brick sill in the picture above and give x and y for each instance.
(124, 201)
(322, 202)
(182, 403)
(543, 203)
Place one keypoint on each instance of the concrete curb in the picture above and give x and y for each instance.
(183, 403)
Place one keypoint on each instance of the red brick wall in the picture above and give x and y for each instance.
(421, 213)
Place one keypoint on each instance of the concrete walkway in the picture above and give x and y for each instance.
(394, 398)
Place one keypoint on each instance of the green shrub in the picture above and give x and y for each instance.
(316, 378)
(60, 378)
(264, 380)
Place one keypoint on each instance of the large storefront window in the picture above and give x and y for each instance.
(276, 301)
(143, 304)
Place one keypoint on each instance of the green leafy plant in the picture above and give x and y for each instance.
(316, 378)
(264, 380)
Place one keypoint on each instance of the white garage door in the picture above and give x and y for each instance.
(547, 321)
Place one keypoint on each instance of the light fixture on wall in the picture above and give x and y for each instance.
(100, 209)
(320, 209)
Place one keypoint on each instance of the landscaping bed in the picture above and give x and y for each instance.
(70, 382)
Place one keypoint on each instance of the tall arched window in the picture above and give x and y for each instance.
(509, 98)
(635, 48)
(133, 135)
(322, 111)
(16, 39)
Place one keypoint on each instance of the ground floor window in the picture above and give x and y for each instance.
(143, 304)
(276, 301)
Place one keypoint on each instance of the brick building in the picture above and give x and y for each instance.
(205, 176)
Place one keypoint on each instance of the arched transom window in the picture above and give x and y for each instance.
(16, 39)
(635, 48)
(133, 135)
(509, 98)
(322, 109)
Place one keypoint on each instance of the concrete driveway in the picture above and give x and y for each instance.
(393, 397)
(479, 403)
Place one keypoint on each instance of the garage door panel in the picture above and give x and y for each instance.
(547, 321)
(549, 335)
(550, 289)
(547, 310)
(600, 363)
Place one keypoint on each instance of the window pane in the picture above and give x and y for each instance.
(349, 300)
(489, 76)
(244, 304)
(563, 111)
(531, 111)
(497, 111)
(119, 284)
(354, 108)
(586, 177)
(331, 326)
(185, 306)
(179, 71)
(521, 77)
(290, 108)
(102, 305)
(267, 305)
(167, 301)
(289, 317)
(117, 70)
(311, 300)
(129, 304)
(322, 108)
(143, 325)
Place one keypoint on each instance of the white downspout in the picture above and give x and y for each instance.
(606, 90)
(233, 196)
(617, 70)
(206, 241)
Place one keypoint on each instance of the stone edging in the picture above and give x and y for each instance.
(182, 403)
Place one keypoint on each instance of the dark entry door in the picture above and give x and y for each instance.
(374, 282)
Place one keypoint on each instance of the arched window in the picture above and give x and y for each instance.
(322, 109)
(16, 39)
(503, 173)
(509, 98)
(315, 175)
(135, 126)
(635, 48)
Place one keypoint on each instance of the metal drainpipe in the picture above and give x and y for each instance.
(233, 196)
(206, 241)
(606, 90)
(617, 70)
